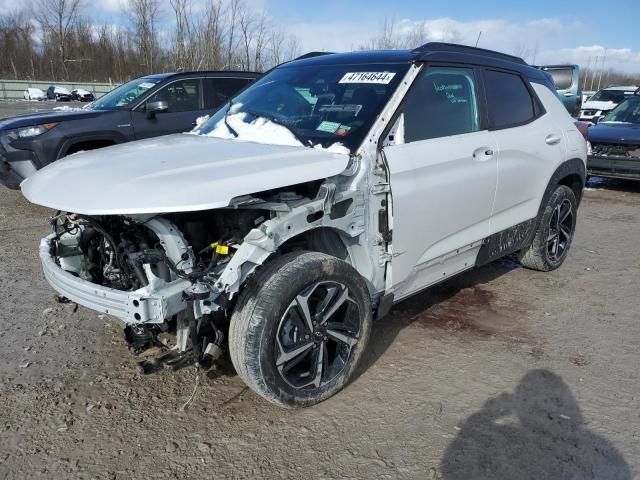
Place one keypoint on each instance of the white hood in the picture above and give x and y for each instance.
(598, 105)
(175, 173)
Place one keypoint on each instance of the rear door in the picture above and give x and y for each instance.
(530, 145)
(185, 100)
(567, 81)
(443, 175)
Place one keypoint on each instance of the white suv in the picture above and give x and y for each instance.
(332, 188)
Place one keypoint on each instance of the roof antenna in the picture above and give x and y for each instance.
(478, 39)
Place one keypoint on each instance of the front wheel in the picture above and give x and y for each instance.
(300, 328)
(555, 231)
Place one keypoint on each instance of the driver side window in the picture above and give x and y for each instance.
(182, 96)
(442, 102)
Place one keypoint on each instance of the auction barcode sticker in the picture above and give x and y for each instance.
(382, 78)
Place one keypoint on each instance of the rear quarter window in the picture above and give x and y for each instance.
(509, 100)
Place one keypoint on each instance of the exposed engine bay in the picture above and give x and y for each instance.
(181, 271)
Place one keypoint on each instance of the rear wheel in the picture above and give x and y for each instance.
(555, 232)
(300, 328)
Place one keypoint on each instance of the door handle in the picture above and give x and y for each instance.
(568, 94)
(552, 139)
(483, 153)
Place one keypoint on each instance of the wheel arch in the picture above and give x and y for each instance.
(93, 142)
(321, 239)
(571, 173)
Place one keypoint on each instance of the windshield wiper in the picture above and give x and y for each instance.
(226, 115)
(304, 141)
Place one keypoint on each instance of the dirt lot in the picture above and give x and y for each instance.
(535, 375)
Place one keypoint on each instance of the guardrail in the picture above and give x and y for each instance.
(14, 89)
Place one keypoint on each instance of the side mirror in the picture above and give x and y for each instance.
(156, 107)
(597, 119)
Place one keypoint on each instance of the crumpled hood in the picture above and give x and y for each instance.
(598, 105)
(175, 173)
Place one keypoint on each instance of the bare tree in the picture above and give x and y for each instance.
(144, 16)
(234, 9)
(57, 18)
(224, 34)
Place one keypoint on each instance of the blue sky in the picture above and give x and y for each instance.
(621, 30)
(587, 32)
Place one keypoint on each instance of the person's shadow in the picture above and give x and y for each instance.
(535, 433)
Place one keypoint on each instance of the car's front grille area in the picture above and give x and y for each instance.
(590, 113)
(613, 150)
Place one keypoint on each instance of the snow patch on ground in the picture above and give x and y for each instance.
(262, 130)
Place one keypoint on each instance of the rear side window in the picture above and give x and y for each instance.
(218, 90)
(562, 77)
(509, 99)
(442, 102)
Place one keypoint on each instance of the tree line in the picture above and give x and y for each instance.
(59, 40)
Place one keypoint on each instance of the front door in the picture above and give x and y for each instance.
(443, 175)
(185, 101)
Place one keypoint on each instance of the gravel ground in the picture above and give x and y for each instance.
(12, 107)
(503, 370)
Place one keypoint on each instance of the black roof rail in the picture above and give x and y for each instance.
(312, 54)
(456, 48)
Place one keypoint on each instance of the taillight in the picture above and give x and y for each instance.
(583, 128)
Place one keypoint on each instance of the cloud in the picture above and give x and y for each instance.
(544, 40)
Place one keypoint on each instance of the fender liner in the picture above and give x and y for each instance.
(520, 236)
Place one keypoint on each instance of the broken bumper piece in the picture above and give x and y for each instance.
(146, 305)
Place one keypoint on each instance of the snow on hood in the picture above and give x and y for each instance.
(61, 90)
(82, 91)
(261, 130)
(598, 105)
(174, 173)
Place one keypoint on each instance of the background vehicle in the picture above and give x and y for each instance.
(614, 142)
(34, 94)
(605, 100)
(328, 190)
(59, 94)
(82, 95)
(567, 81)
(146, 107)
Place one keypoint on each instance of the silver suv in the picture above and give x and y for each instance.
(332, 188)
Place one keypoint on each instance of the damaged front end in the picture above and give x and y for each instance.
(172, 279)
(154, 273)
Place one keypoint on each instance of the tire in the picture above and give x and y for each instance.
(268, 328)
(555, 231)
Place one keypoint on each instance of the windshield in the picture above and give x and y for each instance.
(124, 95)
(615, 96)
(627, 112)
(319, 105)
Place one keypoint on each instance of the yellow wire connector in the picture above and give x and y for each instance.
(220, 249)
